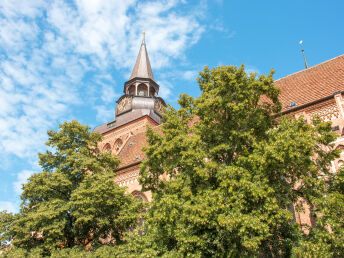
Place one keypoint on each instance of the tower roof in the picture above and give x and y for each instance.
(142, 68)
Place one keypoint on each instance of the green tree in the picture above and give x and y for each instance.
(6, 219)
(74, 201)
(225, 170)
(326, 239)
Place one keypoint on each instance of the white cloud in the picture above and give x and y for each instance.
(190, 75)
(218, 25)
(21, 179)
(108, 94)
(251, 69)
(111, 30)
(8, 206)
(50, 47)
(104, 113)
(15, 8)
(165, 89)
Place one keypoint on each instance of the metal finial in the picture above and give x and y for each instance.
(303, 53)
(143, 36)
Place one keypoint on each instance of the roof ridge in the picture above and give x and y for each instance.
(314, 66)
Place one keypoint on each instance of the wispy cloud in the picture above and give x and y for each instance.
(165, 89)
(63, 60)
(8, 206)
(21, 179)
(251, 69)
(190, 75)
(53, 52)
(218, 25)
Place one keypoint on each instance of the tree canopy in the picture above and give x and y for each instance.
(74, 201)
(226, 170)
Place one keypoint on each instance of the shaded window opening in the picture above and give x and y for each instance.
(118, 144)
(142, 90)
(107, 148)
(292, 210)
(151, 92)
(141, 223)
(131, 90)
(140, 196)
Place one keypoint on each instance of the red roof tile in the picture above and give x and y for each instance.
(312, 84)
(131, 152)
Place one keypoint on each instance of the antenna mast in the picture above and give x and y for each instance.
(303, 53)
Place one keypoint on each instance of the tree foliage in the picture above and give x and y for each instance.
(226, 169)
(6, 219)
(74, 201)
(326, 238)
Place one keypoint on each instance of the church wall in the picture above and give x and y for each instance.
(328, 110)
(124, 132)
(127, 177)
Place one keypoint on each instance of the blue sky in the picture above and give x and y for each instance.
(62, 60)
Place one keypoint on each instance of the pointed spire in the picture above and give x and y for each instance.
(142, 68)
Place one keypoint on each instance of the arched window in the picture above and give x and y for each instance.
(341, 148)
(151, 92)
(107, 148)
(292, 210)
(140, 196)
(142, 90)
(118, 144)
(131, 90)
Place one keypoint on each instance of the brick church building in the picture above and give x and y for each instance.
(138, 107)
(316, 90)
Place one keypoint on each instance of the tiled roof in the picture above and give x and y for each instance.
(312, 84)
(124, 119)
(131, 152)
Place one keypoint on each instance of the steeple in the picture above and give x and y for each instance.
(140, 98)
(141, 81)
(142, 68)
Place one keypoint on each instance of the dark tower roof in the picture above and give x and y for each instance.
(142, 68)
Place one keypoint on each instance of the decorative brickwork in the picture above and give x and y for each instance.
(328, 113)
(127, 177)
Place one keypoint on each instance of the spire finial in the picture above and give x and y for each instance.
(143, 36)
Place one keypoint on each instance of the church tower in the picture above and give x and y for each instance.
(138, 107)
(140, 92)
